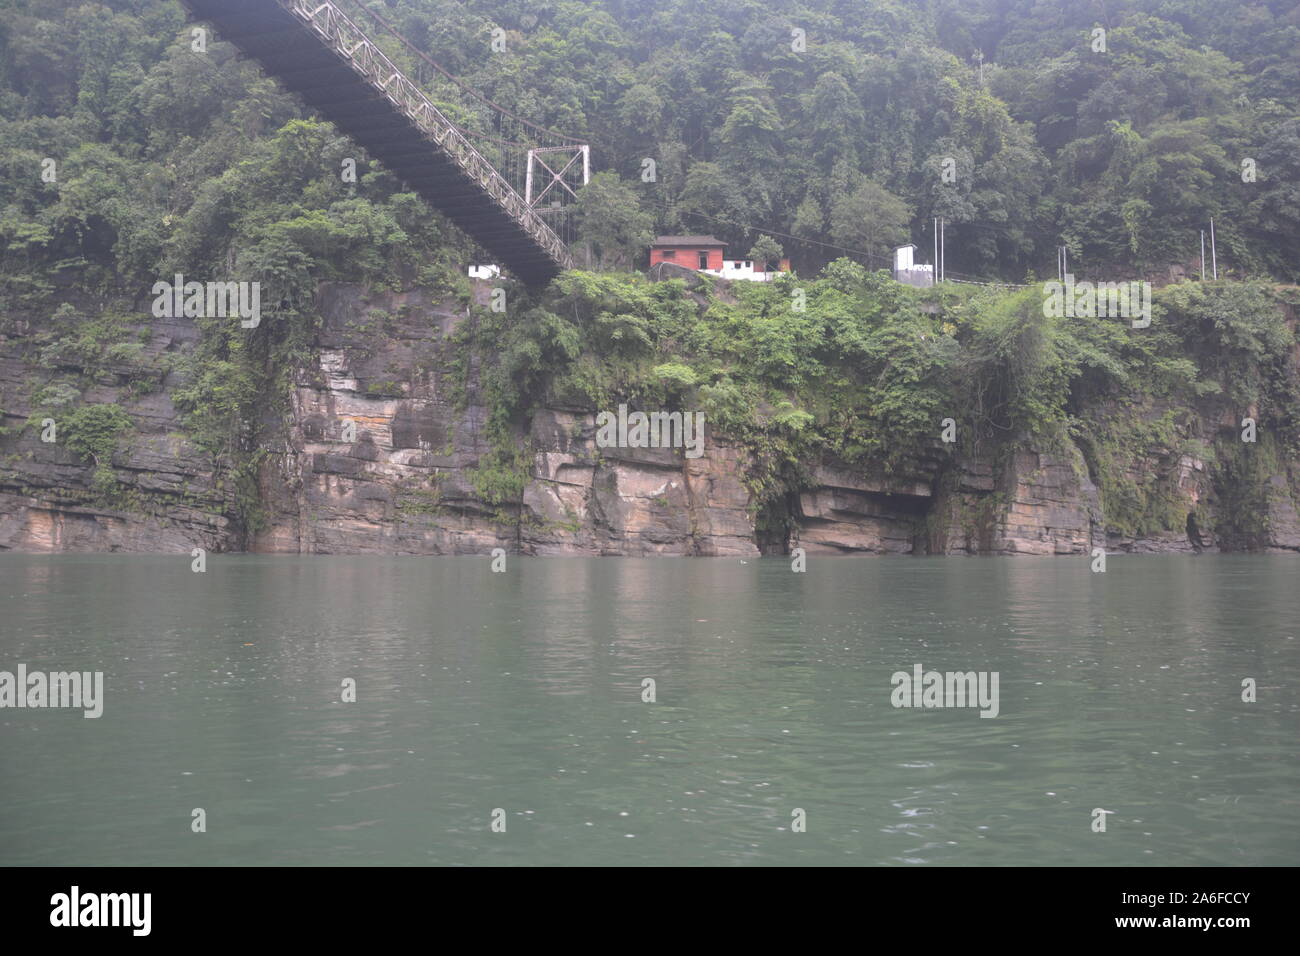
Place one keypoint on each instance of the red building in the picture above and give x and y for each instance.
(693, 252)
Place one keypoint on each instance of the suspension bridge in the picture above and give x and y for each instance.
(507, 186)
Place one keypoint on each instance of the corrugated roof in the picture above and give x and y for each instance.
(688, 241)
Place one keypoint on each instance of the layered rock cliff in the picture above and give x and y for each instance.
(378, 450)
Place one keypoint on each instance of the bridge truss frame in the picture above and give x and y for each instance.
(350, 42)
(477, 196)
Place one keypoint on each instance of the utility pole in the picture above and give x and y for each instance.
(935, 268)
(1202, 255)
(942, 275)
(1214, 258)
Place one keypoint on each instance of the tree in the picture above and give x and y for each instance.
(870, 218)
(611, 219)
(767, 251)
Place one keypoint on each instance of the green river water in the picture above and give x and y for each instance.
(522, 691)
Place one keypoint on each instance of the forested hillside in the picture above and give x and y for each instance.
(126, 156)
(167, 155)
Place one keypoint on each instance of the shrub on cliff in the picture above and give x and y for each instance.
(94, 431)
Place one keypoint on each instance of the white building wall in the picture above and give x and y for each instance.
(740, 269)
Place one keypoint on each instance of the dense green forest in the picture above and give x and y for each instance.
(1122, 155)
(168, 161)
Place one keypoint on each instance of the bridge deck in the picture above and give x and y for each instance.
(315, 51)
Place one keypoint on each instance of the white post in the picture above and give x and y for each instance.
(934, 270)
(1202, 255)
(528, 181)
(1214, 258)
(586, 164)
(942, 276)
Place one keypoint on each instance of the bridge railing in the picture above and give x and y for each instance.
(347, 39)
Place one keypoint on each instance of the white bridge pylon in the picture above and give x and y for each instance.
(572, 154)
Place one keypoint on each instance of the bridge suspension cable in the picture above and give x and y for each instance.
(478, 179)
(523, 151)
(465, 87)
(317, 52)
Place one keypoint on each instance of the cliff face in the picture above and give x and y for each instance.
(404, 482)
(167, 497)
